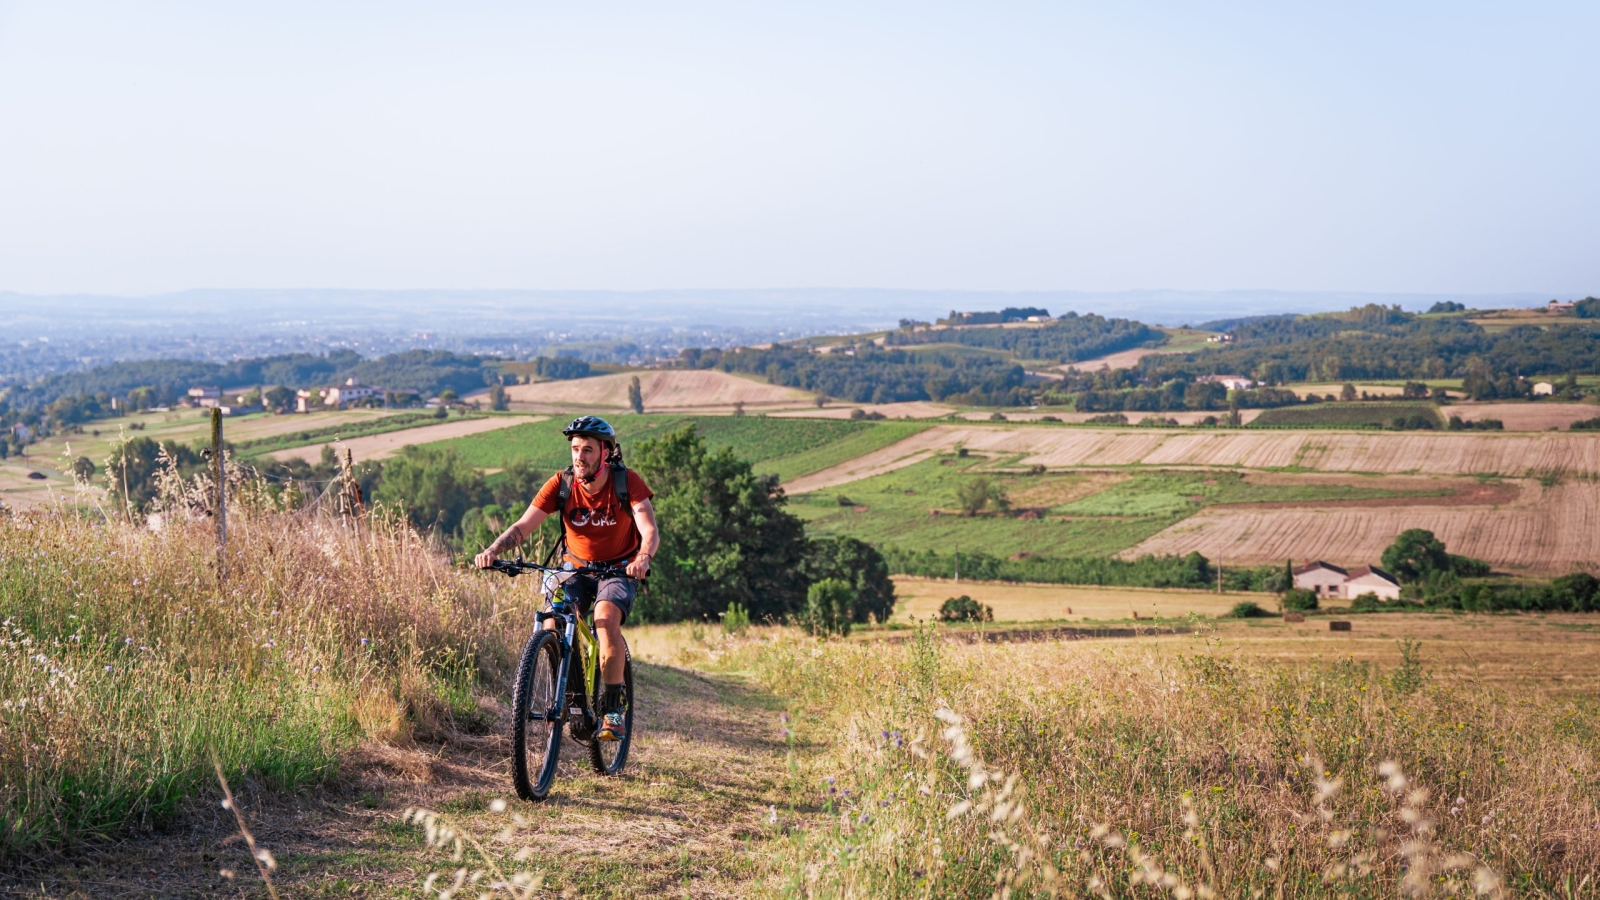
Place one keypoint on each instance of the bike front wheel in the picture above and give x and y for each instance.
(608, 757)
(537, 715)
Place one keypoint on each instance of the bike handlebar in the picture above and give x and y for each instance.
(514, 567)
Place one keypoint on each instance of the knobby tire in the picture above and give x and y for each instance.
(608, 757)
(536, 745)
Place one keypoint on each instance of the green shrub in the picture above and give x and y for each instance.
(830, 606)
(1247, 610)
(736, 619)
(1298, 600)
(1366, 603)
(964, 609)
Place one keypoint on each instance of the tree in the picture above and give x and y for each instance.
(498, 399)
(433, 485)
(858, 564)
(980, 492)
(83, 469)
(828, 608)
(1347, 393)
(635, 395)
(447, 397)
(964, 609)
(1415, 554)
(725, 536)
(279, 399)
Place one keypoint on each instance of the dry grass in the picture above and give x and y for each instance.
(919, 598)
(1078, 769)
(124, 665)
(663, 390)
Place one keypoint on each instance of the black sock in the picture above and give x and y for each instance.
(614, 698)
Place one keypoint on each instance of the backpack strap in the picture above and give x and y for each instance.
(619, 481)
(563, 497)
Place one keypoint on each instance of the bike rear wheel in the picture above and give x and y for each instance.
(608, 757)
(537, 715)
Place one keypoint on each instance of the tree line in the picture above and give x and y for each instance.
(1070, 338)
(163, 382)
(866, 373)
(1384, 343)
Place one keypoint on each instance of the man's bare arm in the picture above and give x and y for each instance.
(516, 534)
(644, 516)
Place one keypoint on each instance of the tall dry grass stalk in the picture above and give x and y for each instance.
(124, 666)
(1042, 770)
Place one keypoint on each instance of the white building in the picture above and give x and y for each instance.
(340, 395)
(206, 396)
(349, 392)
(1322, 579)
(1328, 580)
(1231, 382)
(1543, 389)
(1371, 580)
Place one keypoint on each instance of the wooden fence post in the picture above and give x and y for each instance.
(219, 472)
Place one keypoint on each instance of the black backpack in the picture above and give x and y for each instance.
(619, 484)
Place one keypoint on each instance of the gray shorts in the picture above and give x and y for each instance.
(619, 589)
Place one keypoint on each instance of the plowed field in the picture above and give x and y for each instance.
(663, 390)
(1548, 531)
(1506, 455)
(1526, 416)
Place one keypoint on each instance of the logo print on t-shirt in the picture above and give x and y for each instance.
(584, 517)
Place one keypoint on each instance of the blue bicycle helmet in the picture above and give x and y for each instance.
(590, 426)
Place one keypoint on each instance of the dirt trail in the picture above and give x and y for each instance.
(687, 819)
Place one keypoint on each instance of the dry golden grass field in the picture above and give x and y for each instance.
(663, 390)
(347, 673)
(920, 599)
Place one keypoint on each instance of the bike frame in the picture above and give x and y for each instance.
(578, 641)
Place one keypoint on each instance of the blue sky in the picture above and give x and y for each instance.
(1414, 147)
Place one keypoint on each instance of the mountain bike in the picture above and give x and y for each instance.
(549, 692)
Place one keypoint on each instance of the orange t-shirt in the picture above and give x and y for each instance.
(598, 528)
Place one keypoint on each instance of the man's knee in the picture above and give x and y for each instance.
(607, 615)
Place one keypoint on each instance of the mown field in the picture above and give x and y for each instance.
(787, 447)
(1568, 454)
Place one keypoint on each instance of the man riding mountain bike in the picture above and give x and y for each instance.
(606, 519)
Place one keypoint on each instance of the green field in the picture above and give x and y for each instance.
(1363, 414)
(1074, 514)
(787, 447)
